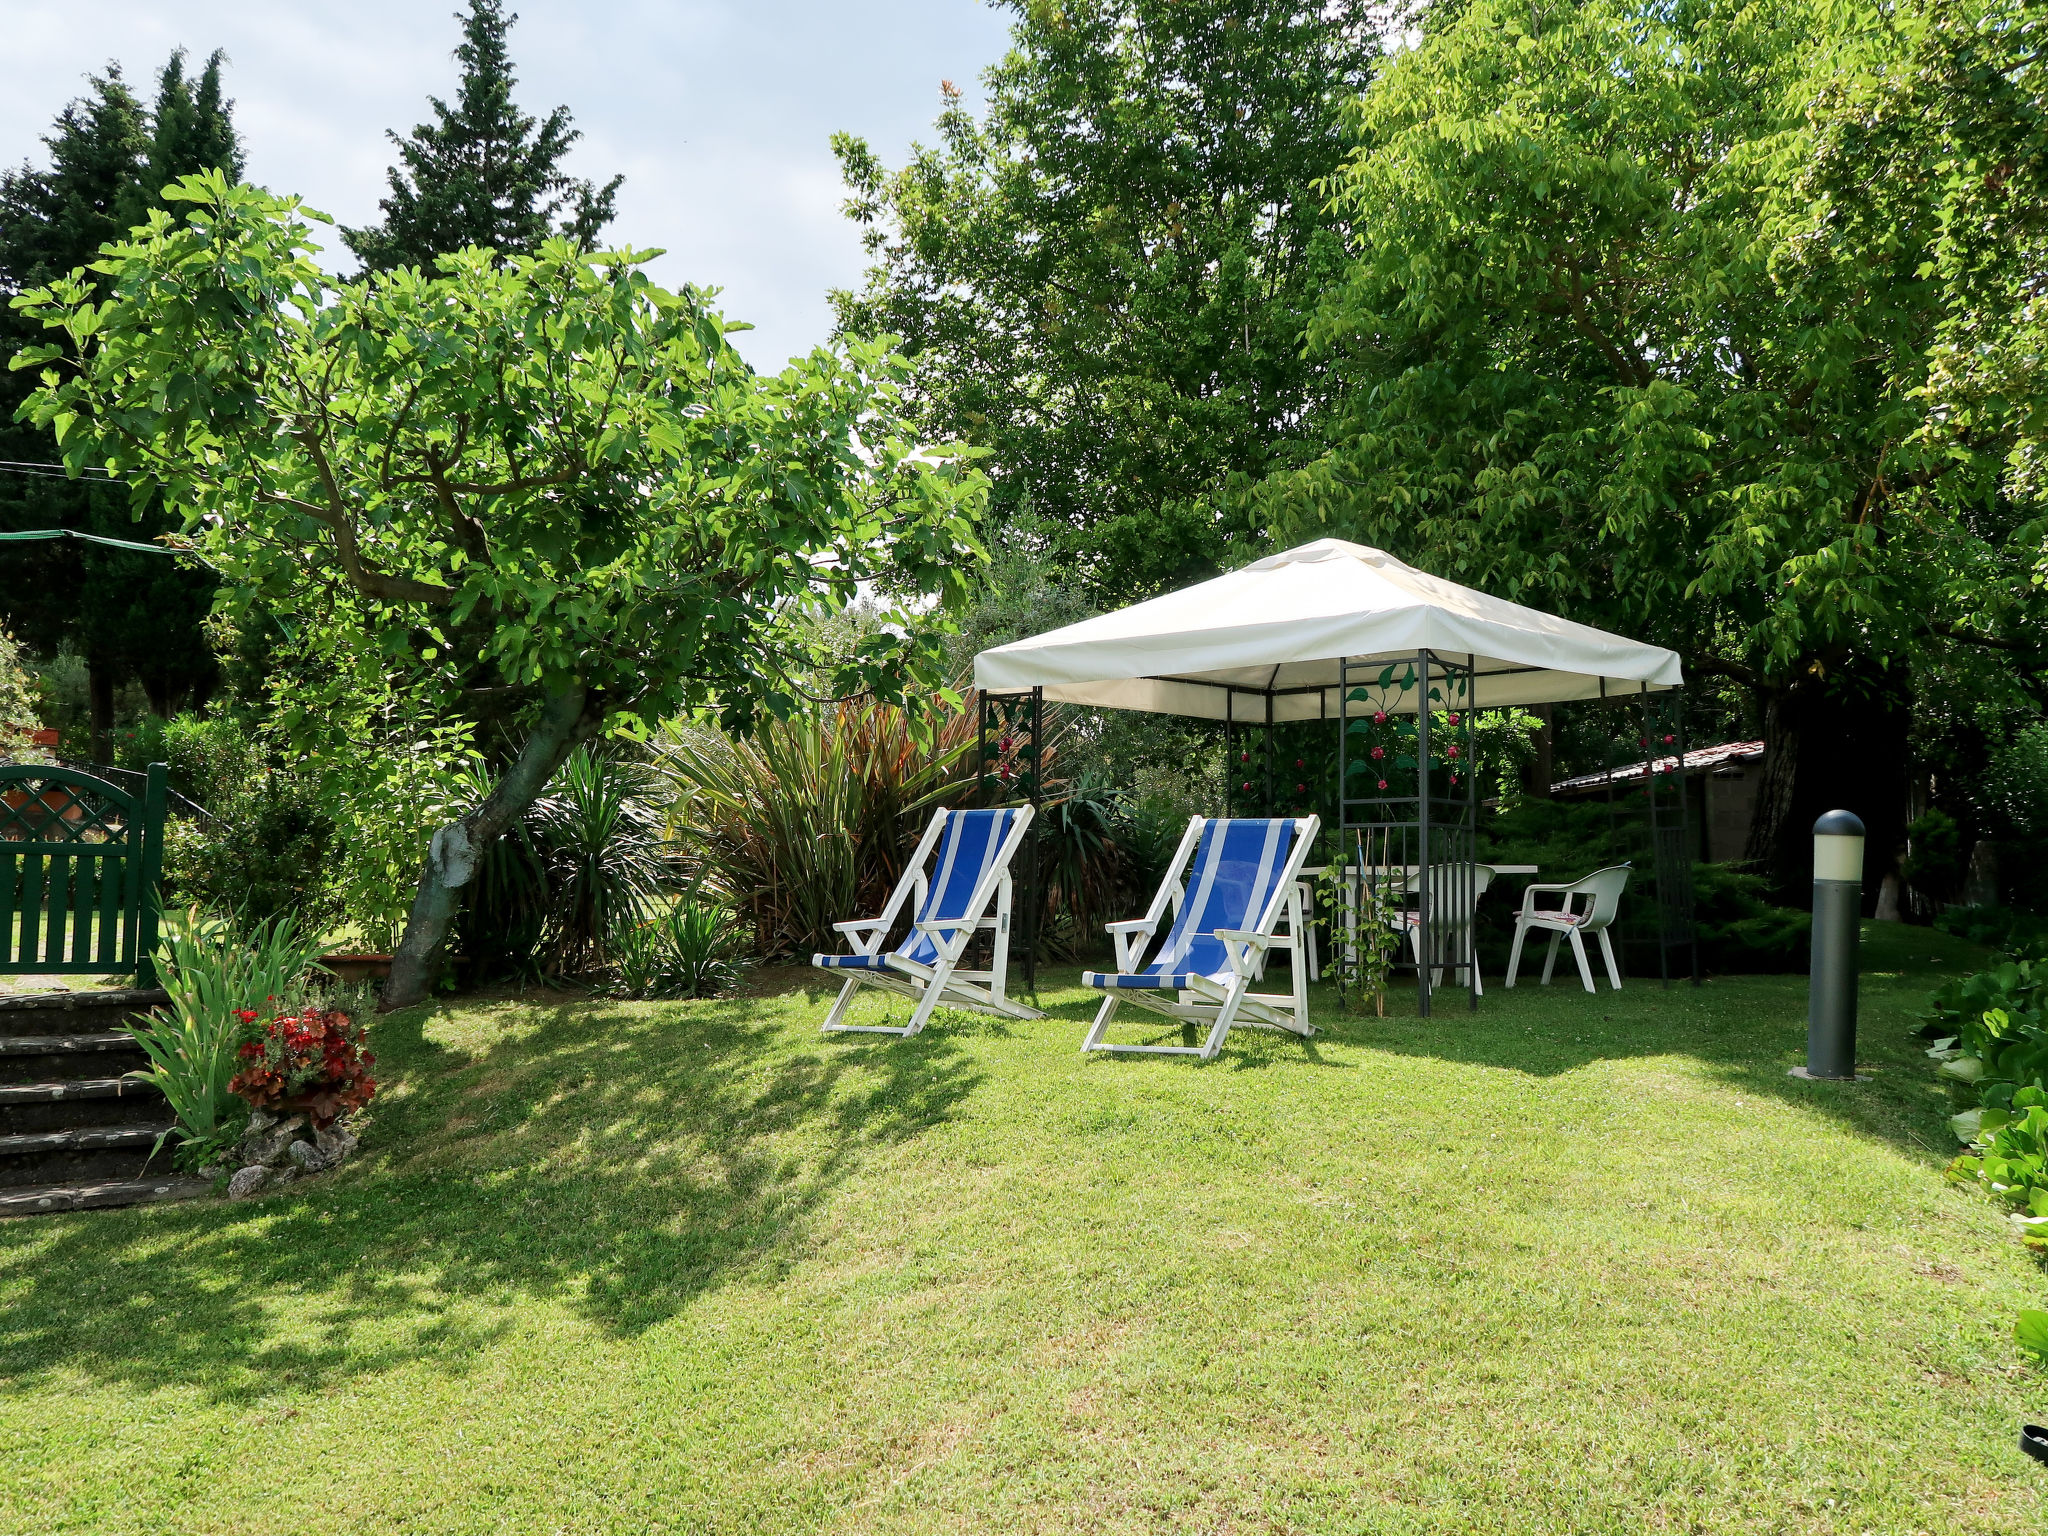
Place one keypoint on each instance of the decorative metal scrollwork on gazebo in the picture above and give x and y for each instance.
(1409, 808)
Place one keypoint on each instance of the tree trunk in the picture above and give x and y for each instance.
(567, 720)
(1832, 740)
(99, 689)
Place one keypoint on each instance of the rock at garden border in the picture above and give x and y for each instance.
(247, 1181)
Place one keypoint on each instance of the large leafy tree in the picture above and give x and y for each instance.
(1600, 353)
(483, 172)
(1106, 278)
(128, 615)
(541, 496)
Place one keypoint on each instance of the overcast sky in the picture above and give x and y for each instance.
(718, 112)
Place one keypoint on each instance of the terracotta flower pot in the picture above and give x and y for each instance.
(355, 968)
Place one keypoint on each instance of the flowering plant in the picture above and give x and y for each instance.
(311, 1059)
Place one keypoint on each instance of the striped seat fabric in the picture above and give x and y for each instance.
(1234, 875)
(970, 843)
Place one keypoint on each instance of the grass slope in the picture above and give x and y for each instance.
(1571, 1264)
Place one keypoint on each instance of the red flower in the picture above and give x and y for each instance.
(1454, 778)
(1454, 752)
(1454, 719)
(1383, 783)
(1301, 789)
(1668, 740)
(246, 1015)
(1299, 763)
(1380, 718)
(1378, 753)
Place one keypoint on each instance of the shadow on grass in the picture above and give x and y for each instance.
(621, 1162)
(1747, 1031)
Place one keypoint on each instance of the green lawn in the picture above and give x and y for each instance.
(1574, 1264)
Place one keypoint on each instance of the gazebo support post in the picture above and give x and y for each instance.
(1422, 902)
(1018, 767)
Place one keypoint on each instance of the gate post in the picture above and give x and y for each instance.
(149, 870)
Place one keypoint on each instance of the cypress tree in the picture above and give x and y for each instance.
(483, 172)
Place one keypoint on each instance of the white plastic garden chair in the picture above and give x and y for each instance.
(1601, 893)
(968, 855)
(1229, 886)
(1454, 892)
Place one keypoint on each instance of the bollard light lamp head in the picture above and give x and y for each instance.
(1838, 847)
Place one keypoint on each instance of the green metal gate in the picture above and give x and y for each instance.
(79, 864)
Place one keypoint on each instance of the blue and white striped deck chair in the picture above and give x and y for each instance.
(971, 868)
(1229, 885)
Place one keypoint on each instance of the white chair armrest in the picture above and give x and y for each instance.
(1245, 936)
(858, 925)
(1135, 925)
(952, 925)
(1529, 893)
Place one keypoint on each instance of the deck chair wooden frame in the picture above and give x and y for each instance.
(1211, 956)
(950, 904)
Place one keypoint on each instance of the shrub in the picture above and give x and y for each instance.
(690, 950)
(586, 862)
(214, 975)
(1995, 927)
(245, 836)
(306, 1058)
(810, 821)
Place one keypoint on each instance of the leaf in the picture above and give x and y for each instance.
(2030, 1332)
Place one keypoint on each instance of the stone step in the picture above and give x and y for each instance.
(57, 1106)
(86, 1011)
(46, 1199)
(55, 1058)
(84, 1154)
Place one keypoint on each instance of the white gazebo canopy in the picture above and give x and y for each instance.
(1282, 628)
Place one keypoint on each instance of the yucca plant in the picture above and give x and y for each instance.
(587, 861)
(808, 822)
(691, 949)
(213, 973)
(607, 860)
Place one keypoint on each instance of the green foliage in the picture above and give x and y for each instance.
(2030, 1332)
(18, 712)
(131, 616)
(1364, 923)
(810, 821)
(213, 968)
(1938, 857)
(1994, 1026)
(689, 949)
(1107, 278)
(518, 506)
(585, 864)
(1740, 930)
(260, 843)
(1611, 343)
(2013, 791)
(530, 474)
(2009, 1157)
(2017, 933)
(483, 172)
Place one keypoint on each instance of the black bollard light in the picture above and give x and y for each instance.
(1837, 916)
